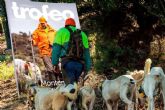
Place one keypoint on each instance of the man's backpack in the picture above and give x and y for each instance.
(75, 46)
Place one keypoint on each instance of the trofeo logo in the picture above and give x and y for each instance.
(34, 13)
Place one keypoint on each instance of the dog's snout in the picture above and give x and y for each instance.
(132, 81)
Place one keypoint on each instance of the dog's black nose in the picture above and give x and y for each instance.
(72, 90)
(132, 81)
(33, 84)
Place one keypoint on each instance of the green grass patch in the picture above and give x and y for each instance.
(6, 71)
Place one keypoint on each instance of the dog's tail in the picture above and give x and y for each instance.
(146, 70)
(147, 66)
(72, 95)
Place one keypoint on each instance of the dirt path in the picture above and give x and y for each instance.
(10, 101)
(8, 96)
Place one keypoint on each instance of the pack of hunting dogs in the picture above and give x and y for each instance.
(136, 89)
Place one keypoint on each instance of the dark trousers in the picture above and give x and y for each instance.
(73, 70)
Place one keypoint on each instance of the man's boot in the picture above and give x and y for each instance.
(60, 77)
(47, 76)
(52, 79)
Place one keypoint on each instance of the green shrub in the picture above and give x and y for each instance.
(6, 58)
(109, 55)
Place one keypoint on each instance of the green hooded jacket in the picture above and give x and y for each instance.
(61, 41)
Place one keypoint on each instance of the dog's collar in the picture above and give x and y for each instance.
(141, 92)
(69, 99)
(32, 85)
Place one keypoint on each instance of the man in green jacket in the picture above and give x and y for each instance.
(72, 67)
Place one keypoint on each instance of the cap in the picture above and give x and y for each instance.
(70, 21)
(42, 20)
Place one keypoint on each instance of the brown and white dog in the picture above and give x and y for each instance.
(140, 96)
(27, 73)
(86, 98)
(139, 78)
(58, 99)
(30, 72)
(113, 90)
(86, 94)
(22, 74)
(35, 72)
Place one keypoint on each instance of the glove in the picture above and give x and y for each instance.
(51, 46)
(56, 69)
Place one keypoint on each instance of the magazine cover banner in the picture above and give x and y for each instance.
(23, 18)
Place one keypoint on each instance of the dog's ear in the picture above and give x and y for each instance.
(157, 77)
(75, 86)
